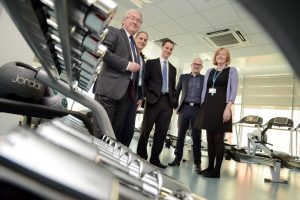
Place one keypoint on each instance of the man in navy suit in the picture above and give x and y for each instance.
(118, 72)
(159, 88)
(190, 85)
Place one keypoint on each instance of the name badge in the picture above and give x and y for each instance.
(212, 91)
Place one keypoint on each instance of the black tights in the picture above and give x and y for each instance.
(215, 148)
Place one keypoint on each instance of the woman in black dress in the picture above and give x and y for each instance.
(218, 95)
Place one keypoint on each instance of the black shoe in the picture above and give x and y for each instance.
(159, 165)
(205, 171)
(197, 168)
(175, 162)
(212, 174)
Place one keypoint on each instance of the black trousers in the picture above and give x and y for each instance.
(158, 114)
(187, 116)
(129, 123)
(116, 110)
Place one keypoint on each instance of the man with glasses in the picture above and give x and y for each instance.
(191, 87)
(118, 74)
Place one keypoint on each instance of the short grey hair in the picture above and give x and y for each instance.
(133, 10)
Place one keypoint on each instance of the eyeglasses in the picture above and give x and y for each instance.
(133, 18)
(197, 65)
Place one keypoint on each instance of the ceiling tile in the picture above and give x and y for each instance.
(241, 11)
(153, 33)
(192, 22)
(197, 48)
(176, 8)
(179, 51)
(183, 40)
(169, 28)
(253, 26)
(125, 5)
(220, 15)
(156, 1)
(207, 4)
(262, 38)
(153, 15)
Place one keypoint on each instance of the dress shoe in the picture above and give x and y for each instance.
(175, 162)
(197, 168)
(159, 165)
(205, 171)
(212, 174)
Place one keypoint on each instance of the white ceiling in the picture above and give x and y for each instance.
(186, 21)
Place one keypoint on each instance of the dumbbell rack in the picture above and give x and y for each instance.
(65, 36)
(61, 159)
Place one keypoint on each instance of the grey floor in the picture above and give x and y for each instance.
(238, 180)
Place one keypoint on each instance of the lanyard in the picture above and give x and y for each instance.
(215, 77)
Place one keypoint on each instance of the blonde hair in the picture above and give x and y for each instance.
(228, 59)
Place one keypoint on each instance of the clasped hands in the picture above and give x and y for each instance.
(133, 67)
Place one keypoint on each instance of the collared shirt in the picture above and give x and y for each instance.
(162, 65)
(140, 72)
(128, 37)
(193, 93)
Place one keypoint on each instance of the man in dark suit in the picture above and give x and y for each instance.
(159, 87)
(190, 85)
(116, 79)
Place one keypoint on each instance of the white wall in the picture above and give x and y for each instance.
(9, 122)
(13, 47)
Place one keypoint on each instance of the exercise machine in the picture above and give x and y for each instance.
(297, 128)
(250, 121)
(258, 151)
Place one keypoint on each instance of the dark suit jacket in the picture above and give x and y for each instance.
(183, 85)
(113, 79)
(153, 82)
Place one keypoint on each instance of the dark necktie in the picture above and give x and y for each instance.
(134, 83)
(133, 50)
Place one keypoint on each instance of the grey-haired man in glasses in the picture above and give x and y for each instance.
(190, 86)
(117, 77)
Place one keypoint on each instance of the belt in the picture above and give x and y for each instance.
(164, 93)
(191, 104)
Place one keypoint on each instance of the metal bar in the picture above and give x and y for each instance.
(61, 8)
(83, 99)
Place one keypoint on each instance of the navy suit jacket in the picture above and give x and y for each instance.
(153, 82)
(183, 85)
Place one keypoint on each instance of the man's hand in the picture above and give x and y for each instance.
(139, 103)
(133, 67)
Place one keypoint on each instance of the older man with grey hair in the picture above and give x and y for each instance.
(116, 79)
